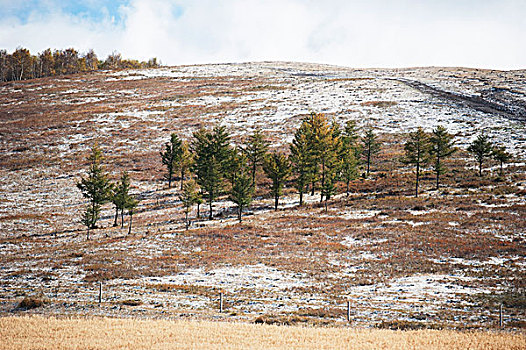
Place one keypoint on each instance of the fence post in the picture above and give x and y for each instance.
(500, 316)
(221, 302)
(100, 292)
(348, 311)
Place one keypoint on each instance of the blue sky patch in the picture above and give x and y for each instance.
(94, 10)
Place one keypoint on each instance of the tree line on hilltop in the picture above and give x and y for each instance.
(321, 155)
(21, 64)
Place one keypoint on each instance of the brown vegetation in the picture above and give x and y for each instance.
(103, 333)
(449, 258)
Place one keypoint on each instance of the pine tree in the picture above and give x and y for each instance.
(185, 161)
(310, 127)
(242, 192)
(334, 161)
(131, 205)
(89, 217)
(328, 143)
(255, 150)
(442, 146)
(189, 196)
(500, 154)
(417, 149)
(349, 168)
(235, 164)
(370, 148)
(212, 152)
(301, 160)
(120, 196)
(323, 142)
(348, 154)
(481, 149)
(277, 168)
(96, 187)
(171, 156)
(328, 189)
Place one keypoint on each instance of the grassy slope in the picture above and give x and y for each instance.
(447, 257)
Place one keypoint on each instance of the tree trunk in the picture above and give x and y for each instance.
(130, 226)
(254, 168)
(239, 211)
(87, 236)
(210, 214)
(368, 161)
(198, 207)
(122, 218)
(276, 200)
(322, 185)
(347, 188)
(301, 197)
(186, 219)
(417, 177)
(116, 217)
(313, 187)
(182, 178)
(438, 173)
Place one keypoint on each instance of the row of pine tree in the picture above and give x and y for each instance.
(321, 154)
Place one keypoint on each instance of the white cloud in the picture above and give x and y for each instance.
(483, 33)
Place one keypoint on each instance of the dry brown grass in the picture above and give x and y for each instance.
(104, 333)
(459, 229)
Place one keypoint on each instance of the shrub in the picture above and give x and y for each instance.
(131, 302)
(31, 303)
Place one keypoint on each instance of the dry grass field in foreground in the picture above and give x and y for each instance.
(104, 333)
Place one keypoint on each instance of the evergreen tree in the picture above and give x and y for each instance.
(349, 168)
(212, 152)
(311, 124)
(96, 187)
(301, 160)
(500, 154)
(255, 151)
(89, 217)
(329, 188)
(348, 154)
(370, 148)
(221, 147)
(120, 196)
(417, 149)
(442, 146)
(171, 156)
(189, 196)
(481, 149)
(241, 193)
(328, 143)
(277, 168)
(199, 201)
(235, 164)
(351, 134)
(323, 141)
(185, 161)
(131, 206)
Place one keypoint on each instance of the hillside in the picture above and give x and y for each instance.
(448, 258)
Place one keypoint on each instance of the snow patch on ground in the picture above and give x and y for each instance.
(232, 278)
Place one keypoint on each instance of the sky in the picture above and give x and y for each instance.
(352, 33)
